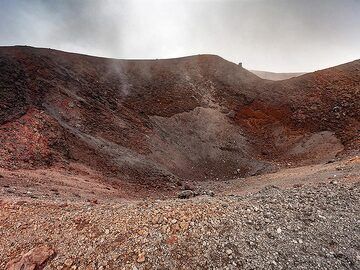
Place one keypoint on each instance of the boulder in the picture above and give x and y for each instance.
(34, 259)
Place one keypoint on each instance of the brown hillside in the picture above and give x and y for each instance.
(158, 121)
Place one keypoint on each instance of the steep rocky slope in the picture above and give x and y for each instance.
(160, 121)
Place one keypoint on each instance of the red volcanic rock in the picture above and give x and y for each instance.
(34, 259)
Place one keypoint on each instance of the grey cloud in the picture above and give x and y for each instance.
(275, 35)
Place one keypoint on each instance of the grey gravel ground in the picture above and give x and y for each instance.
(301, 228)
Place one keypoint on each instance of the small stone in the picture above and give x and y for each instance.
(107, 231)
(143, 232)
(175, 227)
(188, 186)
(186, 194)
(164, 228)
(155, 219)
(141, 257)
(210, 193)
(68, 262)
(228, 251)
(90, 267)
(279, 230)
(184, 225)
(172, 240)
(267, 215)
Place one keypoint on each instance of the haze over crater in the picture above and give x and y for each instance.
(278, 36)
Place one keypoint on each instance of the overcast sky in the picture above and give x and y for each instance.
(273, 35)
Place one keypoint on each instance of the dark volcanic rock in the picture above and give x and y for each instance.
(186, 194)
